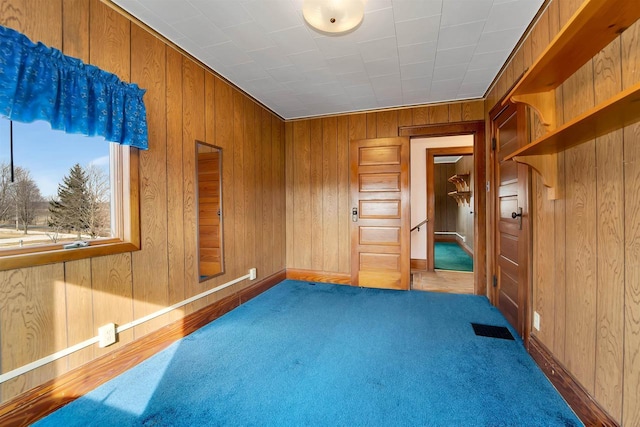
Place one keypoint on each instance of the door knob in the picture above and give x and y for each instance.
(518, 215)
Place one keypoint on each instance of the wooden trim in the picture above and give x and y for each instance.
(318, 276)
(477, 129)
(418, 264)
(445, 238)
(576, 396)
(447, 129)
(127, 217)
(46, 398)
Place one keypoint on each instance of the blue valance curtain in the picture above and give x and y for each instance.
(41, 83)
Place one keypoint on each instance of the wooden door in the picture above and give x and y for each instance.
(511, 227)
(380, 213)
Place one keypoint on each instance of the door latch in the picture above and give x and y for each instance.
(354, 214)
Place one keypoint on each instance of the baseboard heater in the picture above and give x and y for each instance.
(69, 350)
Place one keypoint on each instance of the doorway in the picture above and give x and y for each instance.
(450, 207)
(477, 280)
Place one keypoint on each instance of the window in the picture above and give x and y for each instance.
(67, 188)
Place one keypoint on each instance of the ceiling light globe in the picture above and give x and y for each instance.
(333, 17)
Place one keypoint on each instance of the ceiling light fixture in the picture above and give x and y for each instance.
(333, 17)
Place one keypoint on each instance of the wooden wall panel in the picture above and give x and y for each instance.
(259, 184)
(316, 191)
(610, 241)
(239, 224)
(387, 124)
(32, 324)
(79, 295)
(302, 257)
(110, 40)
(543, 261)
(357, 127)
(446, 208)
(26, 16)
(75, 21)
(224, 138)
(251, 160)
(150, 273)
(290, 191)
(331, 244)
(193, 129)
(344, 204)
(405, 117)
(372, 125)
(420, 115)
(110, 49)
(69, 301)
(267, 186)
(278, 188)
(112, 295)
(455, 113)
(175, 214)
(581, 244)
(439, 114)
(630, 44)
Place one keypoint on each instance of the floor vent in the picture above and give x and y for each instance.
(492, 331)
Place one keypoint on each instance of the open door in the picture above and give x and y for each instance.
(380, 213)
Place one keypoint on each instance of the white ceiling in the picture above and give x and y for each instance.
(405, 52)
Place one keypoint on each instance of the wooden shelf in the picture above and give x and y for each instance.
(461, 181)
(461, 197)
(594, 25)
(615, 113)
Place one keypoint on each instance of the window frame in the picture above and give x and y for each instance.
(127, 219)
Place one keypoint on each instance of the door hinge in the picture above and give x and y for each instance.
(495, 281)
(494, 143)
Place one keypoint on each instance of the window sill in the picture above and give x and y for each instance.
(59, 255)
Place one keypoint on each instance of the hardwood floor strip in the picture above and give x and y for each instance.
(46, 398)
(319, 276)
(455, 282)
(587, 409)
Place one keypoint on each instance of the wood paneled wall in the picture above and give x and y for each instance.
(48, 308)
(586, 245)
(446, 208)
(317, 163)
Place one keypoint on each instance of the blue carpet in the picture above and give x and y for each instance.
(450, 256)
(330, 355)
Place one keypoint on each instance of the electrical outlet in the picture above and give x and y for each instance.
(252, 274)
(107, 335)
(536, 321)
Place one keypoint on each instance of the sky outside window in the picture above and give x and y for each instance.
(49, 154)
